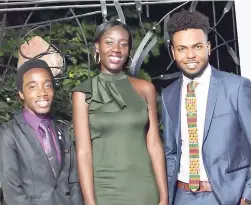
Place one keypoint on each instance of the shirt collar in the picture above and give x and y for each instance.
(203, 79)
(32, 119)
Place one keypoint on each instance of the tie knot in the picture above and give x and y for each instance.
(192, 86)
(44, 125)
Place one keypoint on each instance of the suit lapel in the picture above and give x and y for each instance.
(61, 142)
(211, 101)
(29, 133)
(175, 108)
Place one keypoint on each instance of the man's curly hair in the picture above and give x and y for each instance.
(185, 19)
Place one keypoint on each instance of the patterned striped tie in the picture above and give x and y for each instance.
(194, 163)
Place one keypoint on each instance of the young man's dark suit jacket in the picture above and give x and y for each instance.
(25, 171)
(227, 136)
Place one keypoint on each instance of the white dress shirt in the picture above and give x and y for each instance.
(201, 93)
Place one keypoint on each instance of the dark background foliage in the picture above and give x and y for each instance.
(67, 36)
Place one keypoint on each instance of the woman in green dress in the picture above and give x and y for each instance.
(119, 151)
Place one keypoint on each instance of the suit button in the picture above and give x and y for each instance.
(56, 186)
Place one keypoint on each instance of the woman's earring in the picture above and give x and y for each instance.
(95, 57)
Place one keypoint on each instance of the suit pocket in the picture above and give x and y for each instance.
(238, 153)
(236, 166)
(225, 114)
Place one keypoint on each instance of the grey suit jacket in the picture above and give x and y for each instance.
(25, 172)
(226, 148)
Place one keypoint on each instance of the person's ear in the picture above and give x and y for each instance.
(97, 47)
(209, 47)
(21, 95)
(172, 49)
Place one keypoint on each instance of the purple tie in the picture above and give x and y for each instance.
(49, 146)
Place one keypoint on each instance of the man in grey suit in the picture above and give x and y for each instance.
(207, 122)
(37, 158)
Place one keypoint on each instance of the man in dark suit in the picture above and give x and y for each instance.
(37, 158)
(207, 122)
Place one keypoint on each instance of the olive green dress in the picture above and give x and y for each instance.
(118, 117)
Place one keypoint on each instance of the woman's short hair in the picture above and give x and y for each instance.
(109, 24)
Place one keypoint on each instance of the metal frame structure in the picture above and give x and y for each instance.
(100, 7)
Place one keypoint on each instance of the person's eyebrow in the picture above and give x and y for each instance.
(29, 83)
(193, 45)
(113, 38)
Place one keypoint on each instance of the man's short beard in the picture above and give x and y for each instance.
(194, 75)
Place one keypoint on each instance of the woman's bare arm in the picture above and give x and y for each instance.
(83, 146)
(154, 144)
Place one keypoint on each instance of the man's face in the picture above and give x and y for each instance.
(191, 51)
(37, 91)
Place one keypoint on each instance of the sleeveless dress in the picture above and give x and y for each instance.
(118, 117)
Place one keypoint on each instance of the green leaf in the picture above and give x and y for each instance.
(144, 75)
(4, 105)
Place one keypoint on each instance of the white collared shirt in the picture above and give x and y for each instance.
(201, 93)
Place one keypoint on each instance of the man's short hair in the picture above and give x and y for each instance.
(185, 19)
(28, 65)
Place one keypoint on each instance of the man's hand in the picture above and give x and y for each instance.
(243, 202)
